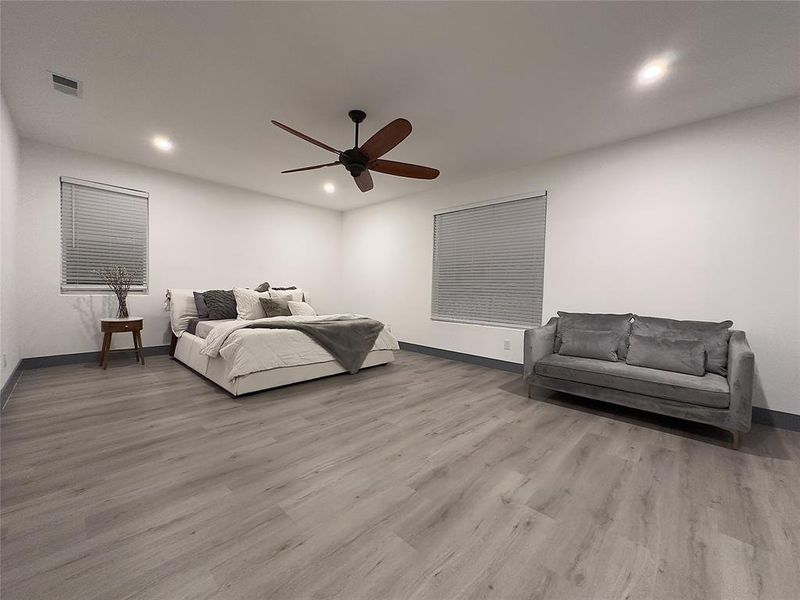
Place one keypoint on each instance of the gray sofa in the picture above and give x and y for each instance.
(714, 399)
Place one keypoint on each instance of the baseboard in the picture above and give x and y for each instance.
(761, 416)
(776, 418)
(57, 360)
(492, 363)
(5, 394)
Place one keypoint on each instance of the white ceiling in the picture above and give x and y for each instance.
(487, 86)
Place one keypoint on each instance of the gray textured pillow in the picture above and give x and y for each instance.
(601, 345)
(678, 356)
(200, 303)
(620, 324)
(276, 307)
(264, 287)
(221, 304)
(714, 336)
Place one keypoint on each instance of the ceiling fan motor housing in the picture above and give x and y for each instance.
(354, 161)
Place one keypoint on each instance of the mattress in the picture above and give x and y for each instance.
(204, 327)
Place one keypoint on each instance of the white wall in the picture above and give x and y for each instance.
(202, 235)
(9, 200)
(698, 222)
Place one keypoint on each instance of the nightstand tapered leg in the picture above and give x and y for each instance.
(104, 350)
(135, 346)
(139, 350)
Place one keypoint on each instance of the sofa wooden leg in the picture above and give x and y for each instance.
(735, 439)
(530, 391)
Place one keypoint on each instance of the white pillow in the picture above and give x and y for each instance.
(295, 295)
(248, 304)
(181, 310)
(303, 309)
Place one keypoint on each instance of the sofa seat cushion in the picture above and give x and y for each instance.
(710, 390)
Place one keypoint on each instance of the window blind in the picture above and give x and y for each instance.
(101, 226)
(488, 263)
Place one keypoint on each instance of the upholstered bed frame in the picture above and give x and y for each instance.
(186, 349)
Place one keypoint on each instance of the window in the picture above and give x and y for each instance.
(101, 226)
(488, 263)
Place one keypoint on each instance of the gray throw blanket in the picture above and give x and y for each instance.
(349, 341)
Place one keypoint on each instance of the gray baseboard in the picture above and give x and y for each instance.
(57, 360)
(492, 363)
(776, 418)
(5, 394)
(761, 416)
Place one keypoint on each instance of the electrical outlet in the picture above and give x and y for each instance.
(506, 344)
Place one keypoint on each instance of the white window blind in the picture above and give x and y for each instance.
(101, 226)
(488, 263)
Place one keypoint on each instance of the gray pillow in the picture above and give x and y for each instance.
(714, 336)
(601, 345)
(200, 303)
(276, 307)
(620, 324)
(678, 356)
(221, 304)
(263, 287)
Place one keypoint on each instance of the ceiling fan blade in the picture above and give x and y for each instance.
(401, 169)
(364, 181)
(303, 136)
(311, 168)
(386, 139)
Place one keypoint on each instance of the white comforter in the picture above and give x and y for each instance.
(253, 350)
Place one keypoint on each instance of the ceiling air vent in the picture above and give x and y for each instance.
(66, 85)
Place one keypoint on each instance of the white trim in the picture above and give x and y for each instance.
(481, 323)
(104, 186)
(525, 196)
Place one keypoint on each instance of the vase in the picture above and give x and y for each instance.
(122, 313)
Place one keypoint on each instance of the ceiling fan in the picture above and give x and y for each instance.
(360, 160)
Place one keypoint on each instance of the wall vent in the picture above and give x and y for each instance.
(66, 85)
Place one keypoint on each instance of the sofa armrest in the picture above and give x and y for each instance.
(539, 342)
(740, 379)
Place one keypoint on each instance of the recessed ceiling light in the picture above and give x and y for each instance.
(329, 187)
(654, 70)
(162, 143)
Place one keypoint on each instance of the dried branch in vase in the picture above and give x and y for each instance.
(119, 280)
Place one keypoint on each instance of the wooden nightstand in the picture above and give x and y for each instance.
(111, 326)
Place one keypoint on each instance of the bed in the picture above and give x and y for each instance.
(245, 360)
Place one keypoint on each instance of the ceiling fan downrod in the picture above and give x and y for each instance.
(357, 116)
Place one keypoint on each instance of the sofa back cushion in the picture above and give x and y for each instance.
(678, 356)
(714, 336)
(619, 324)
(601, 345)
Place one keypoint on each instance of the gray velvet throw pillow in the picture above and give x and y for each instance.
(620, 324)
(276, 307)
(714, 336)
(221, 304)
(601, 345)
(200, 304)
(678, 356)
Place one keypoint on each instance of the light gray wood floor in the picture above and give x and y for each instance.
(423, 479)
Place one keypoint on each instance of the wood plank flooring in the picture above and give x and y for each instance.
(424, 479)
